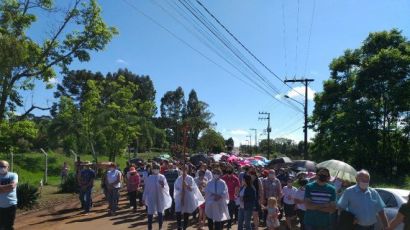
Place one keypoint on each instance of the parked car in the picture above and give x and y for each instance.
(393, 198)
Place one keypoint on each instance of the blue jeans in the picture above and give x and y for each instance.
(312, 227)
(85, 199)
(244, 216)
(160, 220)
(358, 227)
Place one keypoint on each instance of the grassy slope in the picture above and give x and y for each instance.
(30, 166)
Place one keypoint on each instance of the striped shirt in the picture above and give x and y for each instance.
(319, 195)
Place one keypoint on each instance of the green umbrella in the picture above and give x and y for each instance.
(339, 169)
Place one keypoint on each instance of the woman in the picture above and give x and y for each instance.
(156, 196)
(216, 201)
(247, 197)
(133, 183)
(257, 184)
(201, 183)
(403, 216)
(187, 197)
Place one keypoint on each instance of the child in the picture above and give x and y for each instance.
(272, 221)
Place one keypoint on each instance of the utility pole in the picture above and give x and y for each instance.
(256, 136)
(250, 144)
(305, 81)
(268, 130)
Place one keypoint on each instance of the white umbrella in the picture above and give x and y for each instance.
(339, 169)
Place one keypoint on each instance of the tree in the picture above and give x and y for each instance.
(197, 117)
(361, 116)
(211, 141)
(17, 136)
(172, 109)
(22, 59)
(229, 143)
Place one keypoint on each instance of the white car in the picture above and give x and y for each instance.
(393, 198)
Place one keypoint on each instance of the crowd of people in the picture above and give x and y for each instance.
(220, 194)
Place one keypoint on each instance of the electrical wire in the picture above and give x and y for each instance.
(310, 35)
(297, 39)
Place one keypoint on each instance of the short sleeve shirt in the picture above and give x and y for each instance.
(112, 176)
(232, 182)
(363, 205)
(405, 211)
(289, 194)
(319, 195)
(87, 175)
(10, 198)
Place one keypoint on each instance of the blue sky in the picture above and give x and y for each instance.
(272, 29)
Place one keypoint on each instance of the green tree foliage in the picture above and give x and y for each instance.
(23, 59)
(362, 116)
(211, 141)
(229, 143)
(176, 114)
(282, 147)
(17, 136)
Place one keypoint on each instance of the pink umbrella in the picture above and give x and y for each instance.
(232, 158)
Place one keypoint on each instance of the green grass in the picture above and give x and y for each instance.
(30, 166)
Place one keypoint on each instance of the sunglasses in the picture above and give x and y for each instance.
(3, 166)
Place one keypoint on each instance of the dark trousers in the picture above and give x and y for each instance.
(7, 216)
(301, 216)
(213, 225)
(133, 199)
(85, 199)
(183, 226)
(233, 210)
(358, 227)
(160, 220)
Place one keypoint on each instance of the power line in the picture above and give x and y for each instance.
(284, 37)
(207, 43)
(229, 45)
(310, 35)
(243, 46)
(182, 41)
(297, 39)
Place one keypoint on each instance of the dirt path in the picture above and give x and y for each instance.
(68, 217)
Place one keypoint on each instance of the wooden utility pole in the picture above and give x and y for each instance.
(185, 130)
(305, 81)
(267, 129)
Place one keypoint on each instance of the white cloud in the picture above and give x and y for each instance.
(299, 92)
(238, 132)
(121, 62)
(53, 81)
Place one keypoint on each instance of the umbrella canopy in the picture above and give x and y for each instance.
(260, 158)
(303, 165)
(195, 159)
(339, 169)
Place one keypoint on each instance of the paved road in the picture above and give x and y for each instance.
(68, 216)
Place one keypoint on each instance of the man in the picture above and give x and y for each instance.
(8, 196)
(271, 188)
(171, 175)
(232, 181)
(156, 196)
(320, 200)
(113, 182)
(86, 182)
(216, 200)
(364, 203)
(187, 198)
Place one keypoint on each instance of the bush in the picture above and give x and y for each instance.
(70, 184)
(27, 196)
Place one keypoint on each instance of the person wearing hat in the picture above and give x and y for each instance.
(113, 183)
(86, 182)
(187, 197)
(156, 196)
(133, 183)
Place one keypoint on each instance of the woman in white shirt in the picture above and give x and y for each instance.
(288, 200)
